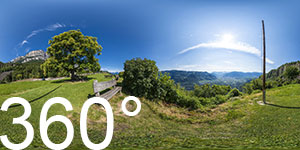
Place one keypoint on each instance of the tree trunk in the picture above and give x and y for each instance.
(73, 78)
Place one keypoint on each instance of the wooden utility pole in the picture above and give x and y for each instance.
(264, 63)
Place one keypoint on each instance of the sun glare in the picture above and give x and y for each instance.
(227, 38)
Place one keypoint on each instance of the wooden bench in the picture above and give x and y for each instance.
(101, 86)
(108, 76)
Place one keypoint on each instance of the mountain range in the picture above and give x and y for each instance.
(188, 79)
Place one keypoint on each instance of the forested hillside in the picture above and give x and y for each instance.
(18, 71)
(188, 79)
(286, 74)
(280, 70)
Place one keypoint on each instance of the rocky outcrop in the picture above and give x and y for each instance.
(33, 55)
(280, 70)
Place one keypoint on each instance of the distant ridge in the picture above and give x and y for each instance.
(238, 75)
(188, 79)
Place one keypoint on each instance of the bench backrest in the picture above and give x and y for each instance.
(108, 76)
(100, 86)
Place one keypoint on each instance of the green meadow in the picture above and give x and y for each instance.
(240, 123)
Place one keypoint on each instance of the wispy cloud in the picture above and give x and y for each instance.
(52, 27)
(23, 42)
(227, 67)
(33, 33)
(229, 45)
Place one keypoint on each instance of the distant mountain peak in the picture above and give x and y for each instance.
(32, 55)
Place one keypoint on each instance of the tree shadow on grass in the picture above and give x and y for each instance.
(280, 106)
(69, 80)
(38, 97)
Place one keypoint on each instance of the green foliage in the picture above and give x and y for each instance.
(121, 74)
(220, 99)
(21, 70)
(169, 90)
(141, 78)
(187, 101)
(291, 72)
(72, 52)
(276, 73)
(247, 88)
(234, 92)
(187, 79)
(288, 77)
(257, 84)
(207, 90)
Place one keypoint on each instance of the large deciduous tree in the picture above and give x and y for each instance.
(140, 77)
(73, 52)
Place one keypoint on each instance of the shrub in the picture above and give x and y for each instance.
(234, 92)
(220, 99)
(121, 74)
(291, 72)
(210, 91)
(140, 78)
(247, 88)
(257, 84)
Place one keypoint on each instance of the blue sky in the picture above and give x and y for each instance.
(195, 35)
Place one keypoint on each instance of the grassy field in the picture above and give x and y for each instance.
(238, 124)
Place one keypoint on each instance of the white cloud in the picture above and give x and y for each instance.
(229, 45)
(55, 26)
(52, 27)
(23, 42)
(215, 67)
(112, 70)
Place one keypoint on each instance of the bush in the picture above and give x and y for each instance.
(121, 74)
(220, 99)
(271, 84)
(204, 101)
(234, 92)
(208, 91)
(291, 72)
(192, 102)
(247, 88)
(257, 84)
(141, 78)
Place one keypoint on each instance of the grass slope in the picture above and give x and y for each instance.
(238, 124)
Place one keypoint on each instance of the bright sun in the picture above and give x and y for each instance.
(227, 38)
